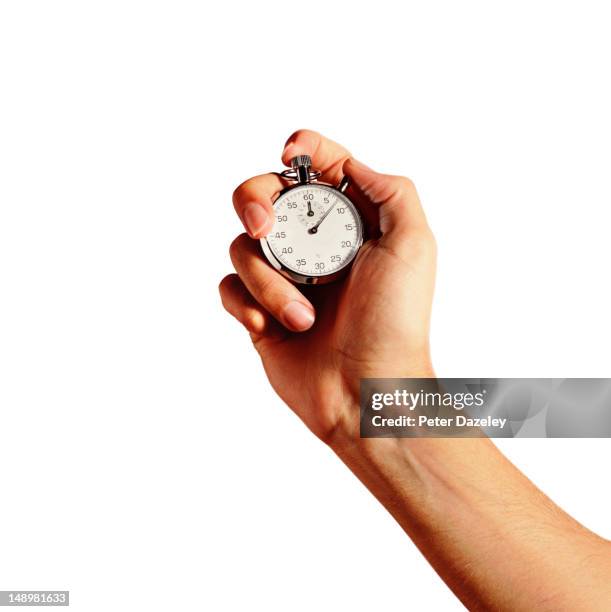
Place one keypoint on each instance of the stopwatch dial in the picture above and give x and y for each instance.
(317, 230)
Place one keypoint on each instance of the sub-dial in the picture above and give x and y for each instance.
(308, 213)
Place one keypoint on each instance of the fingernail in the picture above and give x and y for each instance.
(298, 316)
(286, 150)
(289, 143)
(255, 218)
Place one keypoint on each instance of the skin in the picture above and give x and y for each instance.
(492, 536)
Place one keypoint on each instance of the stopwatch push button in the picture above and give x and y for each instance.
(302, 164)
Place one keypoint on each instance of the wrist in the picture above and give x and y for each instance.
(346, 431)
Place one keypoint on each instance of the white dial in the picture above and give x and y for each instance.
(317, 230)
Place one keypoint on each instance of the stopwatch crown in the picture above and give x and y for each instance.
(301, 161)
(301, 170)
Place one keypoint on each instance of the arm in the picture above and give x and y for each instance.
(493, 537)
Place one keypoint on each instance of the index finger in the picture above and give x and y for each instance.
(327, 155)
(253, 201)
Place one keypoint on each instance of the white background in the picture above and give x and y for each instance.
(143, 456)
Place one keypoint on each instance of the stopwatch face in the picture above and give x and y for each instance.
(317, 231)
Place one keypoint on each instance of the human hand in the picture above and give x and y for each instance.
(316, 344)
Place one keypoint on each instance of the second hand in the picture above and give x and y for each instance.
(314, 228)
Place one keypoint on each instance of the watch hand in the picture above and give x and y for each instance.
(314, 228)
(310, 211)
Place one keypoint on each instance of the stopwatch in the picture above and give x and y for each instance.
(317, 230)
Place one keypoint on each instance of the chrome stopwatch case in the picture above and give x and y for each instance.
(317, 230)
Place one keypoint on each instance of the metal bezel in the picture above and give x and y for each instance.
(314, 279)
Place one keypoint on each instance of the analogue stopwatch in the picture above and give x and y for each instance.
(317, 230)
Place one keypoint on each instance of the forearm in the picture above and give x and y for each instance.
(493, 537)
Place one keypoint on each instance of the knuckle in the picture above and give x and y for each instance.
(239, 191)
(425, 243)
(266, 287)
(226, 283)
(253, 320)
(237, 246)
(405, 185)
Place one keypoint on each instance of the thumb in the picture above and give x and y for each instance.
(395, 198)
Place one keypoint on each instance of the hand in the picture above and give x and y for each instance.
(316, 344)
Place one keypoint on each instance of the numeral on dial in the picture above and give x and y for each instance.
(332, 244)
